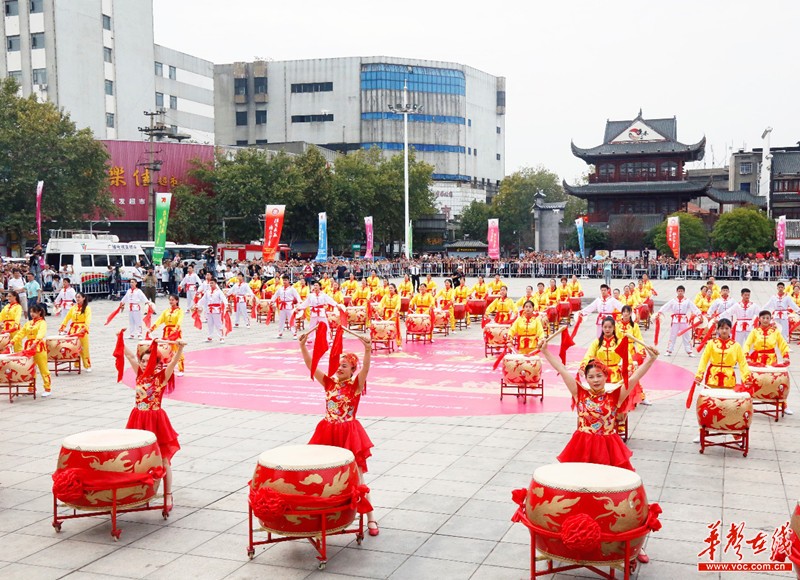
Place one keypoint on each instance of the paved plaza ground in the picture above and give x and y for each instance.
(441, 485)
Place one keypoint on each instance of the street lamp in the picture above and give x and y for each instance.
(228, 218)
(92, 223)
(404, 109)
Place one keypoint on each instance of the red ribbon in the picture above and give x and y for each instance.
(622, 351)
(198, 323)
(119, 356)
(148, 318)
(691, 394)
(70, 484)
(518, 496)
(652, 517)
(112, 315)
(581, 533)
(268, 503)
(226, 318)
(320, 347)
(658, 330)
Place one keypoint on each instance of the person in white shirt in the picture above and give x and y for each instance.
(781, 305)
(135, 301)
(270, 271)
(190, 282)
(317, 302)
(214, 302)
(285, 298)
(241, 293)
(137, 273)
(65, 298)
(744, 314)
(680, 308)
(17, 283)
(606, 305)
(719, 307)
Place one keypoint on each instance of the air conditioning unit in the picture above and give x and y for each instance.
(43, 87)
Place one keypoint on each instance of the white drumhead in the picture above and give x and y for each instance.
(587, 477)
(756, 369)
(57, 337)
(724, 394)
(109, 440)
(299, 457)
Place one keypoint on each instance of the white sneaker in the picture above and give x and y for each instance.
(248, 326)
(788, 411)
(130, 337)
(646, 403)
(691, 354)
(696, 439)
(279, 335)
(179, 373)
(222, 340)
(88, 370)
(668, 353)
(209, 339)
(45, 394)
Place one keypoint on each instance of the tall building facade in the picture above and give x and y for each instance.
(96, 59)
(346, 104)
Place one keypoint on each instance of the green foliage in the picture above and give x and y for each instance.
(744, 230)
(474, 220)
(513, 204)
(39, 142)
(593, 238)
(694, 235)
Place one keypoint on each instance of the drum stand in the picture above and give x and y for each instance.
(113, 512)
(773, 408)
(422, 337)
(622, 428)
(523, 390)
(267, 316)
(14, 389)
(711, 438)
(320, 541)
(625, 537)
(67, 366)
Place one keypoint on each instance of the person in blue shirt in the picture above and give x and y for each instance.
(33, 290)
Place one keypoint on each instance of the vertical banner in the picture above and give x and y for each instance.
(368, 228)
(273, 225)
(160, 234)
(579, 229)
(322, 249)
(39, 188)
(780, 233)
(674, 236)
(494, 239)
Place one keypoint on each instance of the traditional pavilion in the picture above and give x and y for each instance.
(639, 170)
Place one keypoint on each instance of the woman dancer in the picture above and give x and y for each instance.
(79, 318)
(153, 377)
(172, 319)
(31, 338)
(10, 316)
(343, 391)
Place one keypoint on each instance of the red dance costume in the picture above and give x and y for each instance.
(340, 427)
(596, 440)
(149, 416)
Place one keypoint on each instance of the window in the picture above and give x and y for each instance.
(606, 171)
(312, 87)
(101, 260)
(746, 168)
(498, 130)
(469, 150)
(312, 118)
(644, 170)
(173, 72)
(241, 118)
(115, 259)
(173, 129)
(37, 40)
(240, 86)
(501, 98)
(110, 120)
(669, 169)
(173, 102)
(130, 261)
(469, 122)
(745, 187)
(67, 259)
(159, 99)
(109, 87)
(261, 117)
(106, 54)
(12, 43)
(475, 152)
(16, 75)
(159, 69)
(37, 6)
(261, 141)
(260, 85)
(241, 143)
(498, 157)
(106, 22)
(40, 76)
(86, 260)
(12, 8)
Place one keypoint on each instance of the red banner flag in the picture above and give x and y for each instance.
(674, 236)
(273, 224)
(623, 352)
(368, 228)
(39, 188)
(780, 234)
(494, 239)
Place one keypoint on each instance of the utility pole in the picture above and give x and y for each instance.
(156, 131)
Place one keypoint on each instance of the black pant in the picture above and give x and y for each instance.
(415, 281)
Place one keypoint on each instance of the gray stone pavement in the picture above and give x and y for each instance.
(441, 485)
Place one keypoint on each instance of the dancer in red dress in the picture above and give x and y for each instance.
(151, 382)
(343, 391)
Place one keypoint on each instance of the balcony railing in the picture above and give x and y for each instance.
(595, 178)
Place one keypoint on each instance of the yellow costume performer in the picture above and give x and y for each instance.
(503, 308)
(526, 333)
(31, 337)
(763, 342)
(421, 303)
(604, 350)
(79, 326)
(446, 298)
(717, 364)
(406, 288)
(172, 319)
(10, 317)
(389, 309)
(361, 295)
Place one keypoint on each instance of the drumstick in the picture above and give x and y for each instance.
(636, 340)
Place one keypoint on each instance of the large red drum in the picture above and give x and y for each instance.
(460, 310)
(334, 317)
(116, 450)
(476, 306)
(5, 341)
(308, 471)
(575, 303)
(562, 495)
(404, 302)
(347, 300)
(552, 314)
(418, 324)
(164, 350)
(724, 410)
(384, 330)
(264, 307)
(643, 312)
(495, 334)
(771, 383)
(357, 315)
(17, 369)
(519, 369)
(441, 318)
(63, 349)
(491, 298)
(563, 310)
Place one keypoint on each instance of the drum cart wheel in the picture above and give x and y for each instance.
(251, 553)
(57, 526)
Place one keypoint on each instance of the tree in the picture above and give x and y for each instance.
(513, 204)
(744, 230)
(474, 220)
(626, 233)
(694, 235)
(40, 142)
(593, 239)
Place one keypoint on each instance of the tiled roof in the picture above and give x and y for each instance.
(723, 196)
(666, 127)
(695, 151)
(549, 205)
(467, 244)
(785, 162)
(634, 187)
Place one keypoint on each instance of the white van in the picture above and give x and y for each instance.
(89, 254)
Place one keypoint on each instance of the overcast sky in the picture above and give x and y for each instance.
(725, 68)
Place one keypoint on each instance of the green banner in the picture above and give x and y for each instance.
(160, 234)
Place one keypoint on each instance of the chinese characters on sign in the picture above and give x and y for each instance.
(736, 540)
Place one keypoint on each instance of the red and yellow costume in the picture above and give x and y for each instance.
(763, 342)
(631, 299)
(431, 285)
(552, 296)
(717, 364)
(563, 292)
(713, 292)
(361, 295)
(702, 302)
(148, 415)
(540, 300)
(172, 319)
(479, 290)
(504, 310)
(461, 297)
(636, 354)
(10, 317)
(575, 288)
(350, 286)
(79, 326)
(525, 333)
(519, 304)
(337, 295)
(495, 285)
(340, 427)
(374, 283)
(421, 303)
(255, 285)
(31, 337)
(325, 283)
(446, 298)
(406, 288)
(604, 350)
(389, 309)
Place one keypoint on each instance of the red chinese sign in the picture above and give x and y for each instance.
(493, 236)
(273, 224)
(130, 178)
(732, 543)
(674, 236)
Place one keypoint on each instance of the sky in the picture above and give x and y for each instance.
(726, 69)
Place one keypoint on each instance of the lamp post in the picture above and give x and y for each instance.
(404, 109)
(224, 230)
